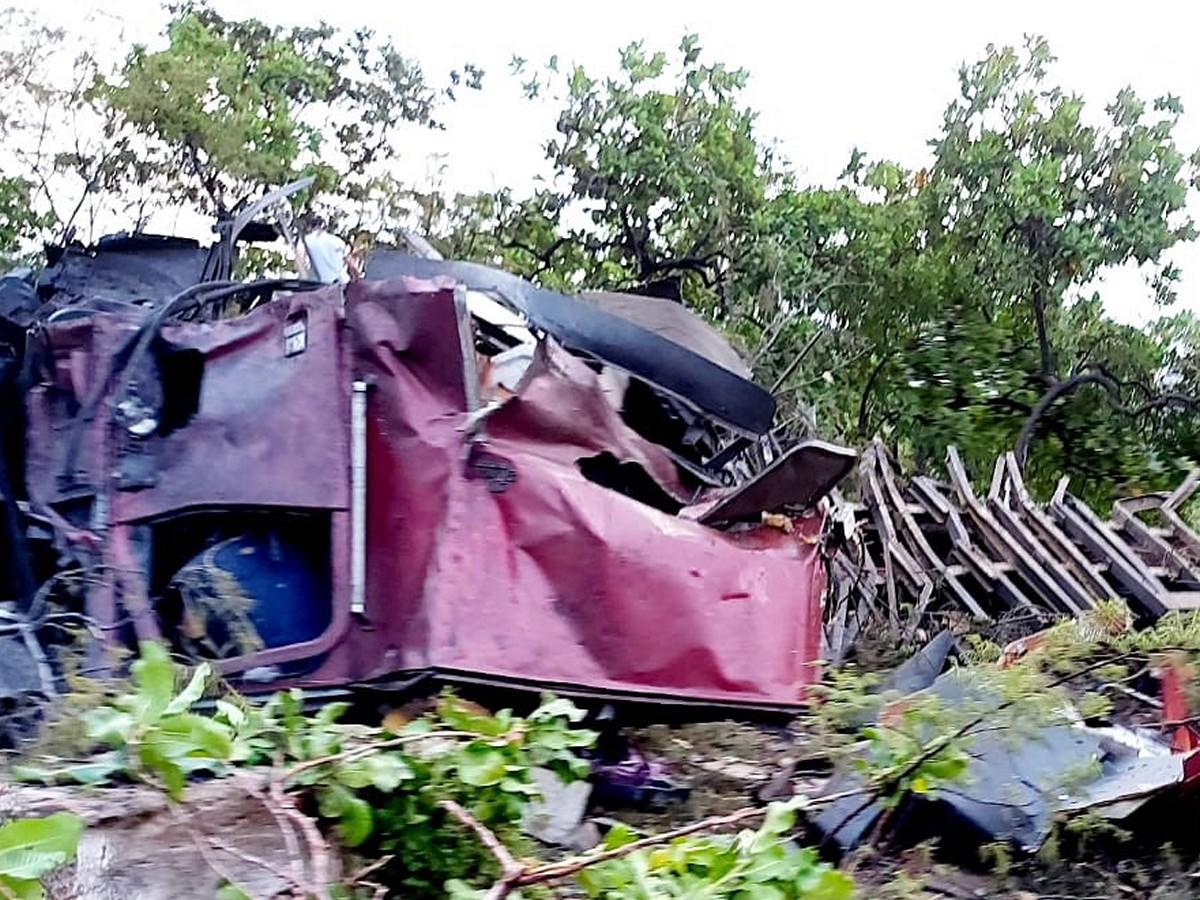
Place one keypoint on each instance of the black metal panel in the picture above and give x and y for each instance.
(582, 326)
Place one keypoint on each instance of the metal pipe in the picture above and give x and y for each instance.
(358, 497)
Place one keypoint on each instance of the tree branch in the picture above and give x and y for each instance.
(795, 363)
(864, 401)
(515, 875)
(367, 750)
(1095, 374)
(510, 869)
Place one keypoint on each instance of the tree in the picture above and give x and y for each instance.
(1034, 201)
(48, 133)
(229, 107)
(935, 306)
(656, 173)
(18, 220)
(954, 299)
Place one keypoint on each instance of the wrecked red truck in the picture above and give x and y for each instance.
(440, 470)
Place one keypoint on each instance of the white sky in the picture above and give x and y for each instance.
(824, 76)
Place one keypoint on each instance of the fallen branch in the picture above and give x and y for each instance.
(937, 745)
(368, 749)
(510, 870)
(516, 875)
(253, 860)
(318, 849)
(205, 852)
(362, 873)
(285, 829)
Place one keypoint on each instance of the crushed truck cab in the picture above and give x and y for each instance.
(441, 470)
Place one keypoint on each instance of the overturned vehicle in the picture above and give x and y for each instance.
(439, 471)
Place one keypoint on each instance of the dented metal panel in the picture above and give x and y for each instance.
(487, 546)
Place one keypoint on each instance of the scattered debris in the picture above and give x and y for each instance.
(556, 818)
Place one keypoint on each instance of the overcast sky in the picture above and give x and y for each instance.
(825, 77)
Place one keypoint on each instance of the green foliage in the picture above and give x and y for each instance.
(998, 856)
(230, 107)
(657, 172)
(752, 865)
(150, 732)
(19, 220)
(32, 848)
(487, 771)
(947, 299)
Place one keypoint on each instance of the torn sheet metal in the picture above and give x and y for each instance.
(491, 551)
(122, 270)
(1019, 777)
(586, 327)
(675, 322)
(557, 579)
(796, 480)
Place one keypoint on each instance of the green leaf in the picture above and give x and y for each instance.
(383, 771)
(354, 816)
(779, 820)
(828, 884)
(481, 766)
(619, 836)
(183, 701)
(947, 767)
(109, 726)
(463, 717)
(154, 675)
(97, 770)
(22, 889)
(30, 848)
(154, 760)
(232, 714)
(331, 712)
(761, 892)
(557, 708)
(229, 891)
(356, 821)
(188, 733)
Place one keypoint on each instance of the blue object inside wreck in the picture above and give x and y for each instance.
(256, 590)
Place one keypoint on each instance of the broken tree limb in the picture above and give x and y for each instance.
(510, 869)
(515, 875)
(134, 846)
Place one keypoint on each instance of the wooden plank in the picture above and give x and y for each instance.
(987, 570)
(1074, 594)
(1160, 552)
(1184, 492)
(1084, 526)
(917, 537)
(1002, 542)
(1182, 601)
(924, 488)
(1181, 531)
(1060, 551)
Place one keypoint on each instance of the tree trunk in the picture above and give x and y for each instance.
(1049, 368)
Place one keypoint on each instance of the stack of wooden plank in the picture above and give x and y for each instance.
(908, 550)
